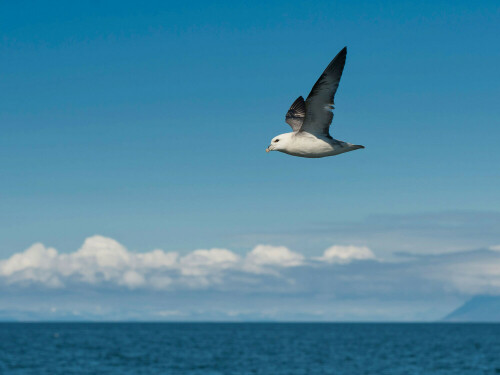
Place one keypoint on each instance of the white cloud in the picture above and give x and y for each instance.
(346, 254)
(339, 271)
(104, 260)
(105, 252)
(36, 256)
(221, 279)
(263, 255)
(201, 262)
(157, 259)
(495, 248)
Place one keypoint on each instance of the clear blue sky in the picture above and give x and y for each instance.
(148, 122)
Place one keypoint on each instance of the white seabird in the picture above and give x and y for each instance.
(310, 120)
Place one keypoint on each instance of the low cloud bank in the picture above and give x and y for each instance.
(103, 260)
(342, 272)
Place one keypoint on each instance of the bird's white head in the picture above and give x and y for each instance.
(279, 142)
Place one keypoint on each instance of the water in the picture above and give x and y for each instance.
(249, 348)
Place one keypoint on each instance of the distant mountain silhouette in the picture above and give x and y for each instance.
(477, 309)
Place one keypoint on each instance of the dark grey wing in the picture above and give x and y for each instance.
(295, 115)
(319, 103)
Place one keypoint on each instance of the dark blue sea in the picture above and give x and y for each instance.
(248, 348)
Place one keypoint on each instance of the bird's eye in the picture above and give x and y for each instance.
(276, 140)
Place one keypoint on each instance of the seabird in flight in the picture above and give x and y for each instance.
(310, 119)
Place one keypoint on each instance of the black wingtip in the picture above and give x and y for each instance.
(338, 62)
(340, 57)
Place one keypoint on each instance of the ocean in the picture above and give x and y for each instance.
(249, 348)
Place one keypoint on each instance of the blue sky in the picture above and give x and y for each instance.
(147, 124)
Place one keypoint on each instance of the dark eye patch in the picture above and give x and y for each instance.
(276, 140)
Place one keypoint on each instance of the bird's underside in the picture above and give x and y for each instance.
(308, 145)
(310, 119)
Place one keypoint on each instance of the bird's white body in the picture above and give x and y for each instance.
(308, 145)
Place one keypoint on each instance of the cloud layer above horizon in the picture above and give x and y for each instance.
(264, 276)
(103, 260)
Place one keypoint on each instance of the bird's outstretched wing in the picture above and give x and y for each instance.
(319, 103)
(295, 115)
